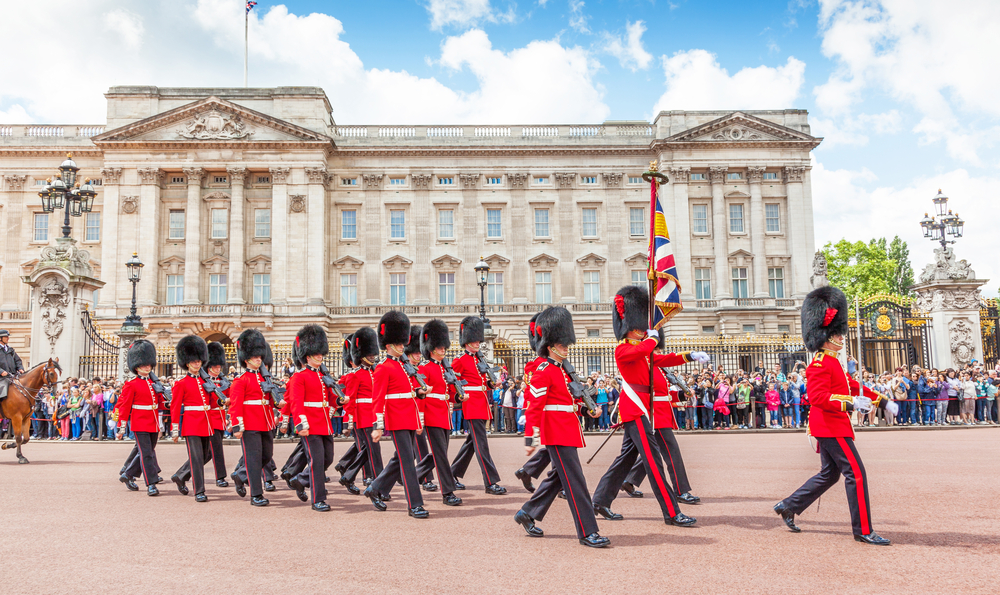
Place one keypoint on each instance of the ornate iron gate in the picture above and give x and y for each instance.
(100, 351)
(893, 334)
(989, 318)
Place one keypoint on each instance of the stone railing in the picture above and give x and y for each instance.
(16, 315)
(765, 303)
(50, 130)
(578, 133)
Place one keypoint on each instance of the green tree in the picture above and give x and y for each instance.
(902, 276)
(859, 268)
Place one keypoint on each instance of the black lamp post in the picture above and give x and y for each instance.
(483, 272)
(66, 193)
(943, 224)
(134, 266)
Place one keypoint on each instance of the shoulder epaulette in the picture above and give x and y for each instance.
(542, 366)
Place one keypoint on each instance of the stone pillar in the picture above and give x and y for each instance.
(798, 239)
(317, 237)
(680, 231)
(279, 235)
(569, 233)
(14, 204)
(128, 334)
(720, 231)
(192, 236)
(758, 230)
(949, 292)
(522, 282)
(111, 260)
(237, 227)
(149, 231)
(372, 238)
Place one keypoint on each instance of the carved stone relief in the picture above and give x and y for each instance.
(469, 181)
(612, 179)
(945, 267)
(517, 180)
(279, 175)
(372, 181)
(130, 204)
(717, 174)
(794, 173)
(14, 182)
(316, 175)
(960, 339)
(755, 174)
(53, 299)
(150, 175)
(421, 180)
(679, 175)
(297, 203)
(215, 125)
(565, 179)
(111, 175)
(948, 299)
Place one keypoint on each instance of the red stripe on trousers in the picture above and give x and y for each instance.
(670, 468)
(859, 483)
(654, 469)
(569, 491)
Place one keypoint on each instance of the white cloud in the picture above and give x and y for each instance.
(463, 13)
(578, 20)
(127, 24)
(696, 81)
(15, 114)
(920, 53)
(629, 51)
(850, 204)
(854, 130)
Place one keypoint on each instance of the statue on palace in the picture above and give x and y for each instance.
(946, 268)
(215, 125)
(818, 278)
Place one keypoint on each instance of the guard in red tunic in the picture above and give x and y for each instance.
(397, 413)
(139, 405)
(555, 425)
(476, 408)
(251, 414)
(190, 398)
(540, 460)
(350, 382)
(833, 395)
(412, 353)
(434, 342)
(364, 351)
(311, 402)
(633, 356)
(213, 383)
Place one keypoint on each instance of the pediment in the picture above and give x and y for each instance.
(446, 261)
(592, 259)
(215, 260)
(543, 260)
(737, 194)
(496, 261)
(637, 258)
(171, 260)
(217, 195)
(739, 127)
(741, 253)
(348, 262)
(397, 261)
(211, 121)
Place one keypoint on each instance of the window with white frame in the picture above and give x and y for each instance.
(93, 227)
(493, 226)
(635, 180)
(262, 288)
(449, 181)
(699, 215)
(776, 282)
(703, 284)
(637, 221)
(734, 176)
(494, 181)
(41, 227)
(541, 223)
(541, 180)
(590, 223)
(349, 225)
(639, 278)
(397, 181)
(736, 218)
(397, 225)
(543, 287)
(348, 289)
(741, 288)
(220, 227)
(494, 288)
(176, 225)
(697, 177)
(397, 289)
(588, 180)
(262, 223)
(217, 289)
(177, 179)
(772, 217)
(770, 175)
(446, 288)
(446, 224)
(591, 287)
(348, 181)
(175, 289)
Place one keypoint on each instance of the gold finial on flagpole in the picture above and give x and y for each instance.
(652, 166)
(654, 174)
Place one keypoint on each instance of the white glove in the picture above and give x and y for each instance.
(652, 333)
(700, 356)
(862, 404)
(892, 407)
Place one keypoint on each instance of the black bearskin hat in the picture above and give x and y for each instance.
(435, 335)
(631, 310)
(312, 340)
(249, 344)
(216, 355)
(267, 360)
(141, 353)
(393, 329)
(554, 327)
(190, 349)
(471, 330)
(345, 354)
(824, 314)
(532, 336)
(414, 345)
(364, 343)
(296, 360)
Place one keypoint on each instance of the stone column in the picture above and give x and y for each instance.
(522, 282)
(615, 225)
(149, 232)
(720, 231)
(569, 234)
(372, 238)
(14, 205)
(279, 235)
(111, 260)
(237, 228)
(316, 238)
(949, 292)
(192, 236)
(680, 231)
(798, 239)
(758, 230)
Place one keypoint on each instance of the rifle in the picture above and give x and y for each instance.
(484, 367)
(268, 386)
(578, 389)
(451, 378)
(412, 373)
(677, 381)
(212, 387)
(335, 386)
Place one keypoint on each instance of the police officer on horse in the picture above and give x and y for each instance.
(10, 363)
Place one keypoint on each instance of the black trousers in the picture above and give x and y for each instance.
(296, 462)
(258, 447)
(198, 447)
(131, 458)
(319, 452)
(537, 463)
(838, 456)
(638, 442)
(369, 455)
(566, 471)
(213, 452)
(145, 459)
(437, 459)
(670, 451)
(401, 468)
(476, 444)
(350, 453)
(422, 452)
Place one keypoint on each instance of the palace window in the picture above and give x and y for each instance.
(446, 181)
(703, 284)
(750, 328)
(349, 289)
(41, 226)
(176, 225)
(740, 287)
(176, 179)
(220, 179)
(217, 289)
(262, 288)
(772, 216)
(637, 221)
(635, 180)
(494, 288)
(446, 288)
(543, 288)
(262, 223)
(397, 181)
(397, 289)
(593, 364)
(263, 179)
(446, 224)
(590, 223)
(591, 287)
(770, 175)
(219, 221)
(494, 181)
(541, 223)
(734, 176)
(541, 180)
(348, 181)
(639, 278)
(349, 225)
(175, 289)
(697, 177)
(588, 180)
(493, 226)
(93, 227)
(397, 225)
(776, 282)
(593, 333)
(736, 218)
(700, 214)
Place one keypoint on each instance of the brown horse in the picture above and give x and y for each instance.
(20, 401)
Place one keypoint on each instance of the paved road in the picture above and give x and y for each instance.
(71, 527)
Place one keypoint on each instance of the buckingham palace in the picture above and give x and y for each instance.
(255, 208)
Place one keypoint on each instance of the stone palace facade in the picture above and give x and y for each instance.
(254, 208)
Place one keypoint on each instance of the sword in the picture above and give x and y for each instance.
(614, 429)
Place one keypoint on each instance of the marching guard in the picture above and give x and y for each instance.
(634, 356)
(833, 395)
(412, 353)
(251, 414)
(189, 396)
(220, 386)
(364, 351)
(534, 467)
(475, 409)
(555, 425)
(350, 382)
(140, 405)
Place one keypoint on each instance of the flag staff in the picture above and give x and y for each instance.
(655, 178)
(246, 38)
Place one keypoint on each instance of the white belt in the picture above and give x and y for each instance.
(143, 407)
(437, 396)
(565, 408)
(474, 388)
(399, 396)
(196, 408)
(362, 400)
(661, 399)
(256, 402)
(315, 404)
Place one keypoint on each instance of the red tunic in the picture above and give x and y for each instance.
(248, 401)
(529, 370)
(350, 382)
(476, 406)
(364, 413)
(436, 413)
(394, 400)
(190, 397)
(830, 389)
(553, 411)
(632, 358)
(140, 405)
(217, 414)
(308, 396)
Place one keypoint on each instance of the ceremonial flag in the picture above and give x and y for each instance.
(665, 289)
(250, 6)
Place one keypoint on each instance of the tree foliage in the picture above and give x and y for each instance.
(902, 276)
(861, 269)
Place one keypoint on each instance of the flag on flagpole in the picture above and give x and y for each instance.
(250, 5)
(662, 268)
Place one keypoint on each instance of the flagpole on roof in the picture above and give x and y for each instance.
(246, 40)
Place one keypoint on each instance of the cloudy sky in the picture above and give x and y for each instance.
(904, 91)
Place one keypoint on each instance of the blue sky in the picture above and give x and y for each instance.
(902, 90)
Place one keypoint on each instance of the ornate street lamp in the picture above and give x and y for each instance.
(64, 192)
(134, 267)
(483, 272)
(944, 224)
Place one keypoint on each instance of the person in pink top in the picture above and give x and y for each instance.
(721, 412)
(773, 400)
